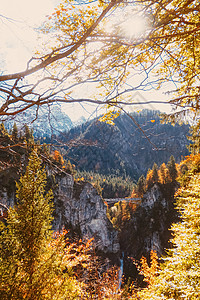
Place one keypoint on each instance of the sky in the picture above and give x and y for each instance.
(18, 38)
(18, 41)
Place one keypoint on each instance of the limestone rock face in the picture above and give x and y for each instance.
(148, 229)
(78, 206)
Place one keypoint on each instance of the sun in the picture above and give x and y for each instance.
(129, 23)
(134, 27)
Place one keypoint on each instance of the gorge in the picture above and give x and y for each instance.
(78, 207)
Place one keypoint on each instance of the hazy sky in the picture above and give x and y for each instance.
(18, 41)
(17, 36)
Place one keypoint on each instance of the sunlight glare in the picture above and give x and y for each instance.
(134, 27)
(130, 23)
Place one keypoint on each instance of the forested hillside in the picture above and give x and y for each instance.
(125, 149)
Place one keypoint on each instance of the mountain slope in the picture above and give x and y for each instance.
(44, 123)
(124, 149)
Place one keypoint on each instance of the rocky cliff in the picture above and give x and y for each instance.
(76, 206)
(79, 207)
(148, 228)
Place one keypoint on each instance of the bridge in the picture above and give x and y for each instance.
(112, 201)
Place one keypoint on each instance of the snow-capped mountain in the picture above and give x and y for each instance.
(45, 122)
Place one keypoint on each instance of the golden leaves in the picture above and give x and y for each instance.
(109, 117)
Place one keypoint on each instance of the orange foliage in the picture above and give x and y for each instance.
(168, 178)
(77, 254)
(132, 206)
(149, 272)
(81, 179)
(58, 157)
(192, 161)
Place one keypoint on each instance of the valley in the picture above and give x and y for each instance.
(121, 227)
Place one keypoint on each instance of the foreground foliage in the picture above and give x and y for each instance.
(36, 263)
(179, 276)
(33, 264)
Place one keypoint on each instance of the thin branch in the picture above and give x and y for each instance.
(64, 54)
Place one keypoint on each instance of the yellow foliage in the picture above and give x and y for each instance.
(149, 178)
(109, 117)
(178, 277)
(150, 272)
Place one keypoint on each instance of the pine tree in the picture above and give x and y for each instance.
(15, 133)
(141, 186)
(172, 168)
(33, 265)
(28, 134)
(149, 178)
(155, 177)
(162, 173)
(181, 269)
(69, 168)
(3, 131)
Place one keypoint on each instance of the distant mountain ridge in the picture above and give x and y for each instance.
(45, 123)
(124, 149)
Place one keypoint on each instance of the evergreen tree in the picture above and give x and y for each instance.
(33, 265)
(172, 168)
(155, 177)
(162, 173)
(149, 178)
(15, 133)
(141, 185)
(69, 168)
(3, 131)
(28, 134)
(194, 137)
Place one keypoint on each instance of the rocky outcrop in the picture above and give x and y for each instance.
(76, 206)
(149, 226)
(79, 207)
(148, 229)
(7, 186)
